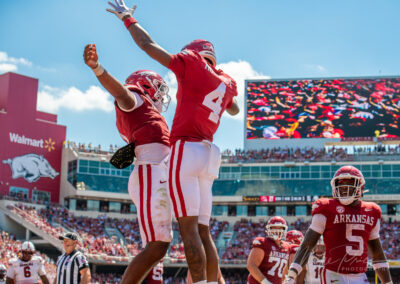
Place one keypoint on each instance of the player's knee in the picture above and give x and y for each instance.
(188, 227)
(157, 249)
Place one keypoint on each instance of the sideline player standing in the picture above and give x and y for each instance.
(138, 104)
(350, 228)
(204, 93)
(27, 267)
(311, 273)
(269, 256)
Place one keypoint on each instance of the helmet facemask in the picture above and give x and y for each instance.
(347, 189)
(276, 231)
(160, 98)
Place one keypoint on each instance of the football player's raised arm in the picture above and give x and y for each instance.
(139, 34)
(379, 261)
(234, 109)
(122, 95)
(146, 43)
(256, 256)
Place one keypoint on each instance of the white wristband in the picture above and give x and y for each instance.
(98, 70)
(297, 267)
(380, 265)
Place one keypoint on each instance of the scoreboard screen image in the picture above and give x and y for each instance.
(323, 108)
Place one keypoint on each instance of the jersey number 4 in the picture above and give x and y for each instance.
(213, 101)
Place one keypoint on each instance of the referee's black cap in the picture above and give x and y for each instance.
(70, 236)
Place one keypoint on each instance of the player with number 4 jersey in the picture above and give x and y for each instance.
(204, 93)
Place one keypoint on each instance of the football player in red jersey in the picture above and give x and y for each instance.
(350, 228)
(204, 93)
(294, 238)
(269, 256)
(155, 275)
(138, 104)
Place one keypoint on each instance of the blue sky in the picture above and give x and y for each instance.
(253, 39)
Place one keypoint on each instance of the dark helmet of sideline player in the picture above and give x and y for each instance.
(204, 48)
(294, 237)
(347, 184)
(276, 228)
(152, 86)
(3, 271)
(27, 251)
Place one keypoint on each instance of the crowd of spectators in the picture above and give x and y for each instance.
(89, 148)
(286, 154)
(323, 108)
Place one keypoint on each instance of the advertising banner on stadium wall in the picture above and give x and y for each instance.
(31, 142)
(323, 108)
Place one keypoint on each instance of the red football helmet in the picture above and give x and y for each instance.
(349, 192)
(294, 237)
(276, 228)
(204, 48)
(152, 86)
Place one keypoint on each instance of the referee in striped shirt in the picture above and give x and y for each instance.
(72, 266)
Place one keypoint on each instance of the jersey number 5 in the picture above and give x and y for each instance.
(213, 101)
(356, 239)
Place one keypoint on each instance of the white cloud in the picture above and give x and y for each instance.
(52, 99)
(5, 67)
(238, 70)
(8, 64)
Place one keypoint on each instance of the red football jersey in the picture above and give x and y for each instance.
(274, 262)
(143, 125)
(155, 275)
(204, 93)
(347, 232)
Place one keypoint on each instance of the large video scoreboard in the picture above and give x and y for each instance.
(323, 108)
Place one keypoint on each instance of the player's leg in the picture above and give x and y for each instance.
(208, 174)
(185, 162)
(204, 229)
(154, 215)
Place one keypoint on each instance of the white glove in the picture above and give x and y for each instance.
(289, 280)
(121, 10)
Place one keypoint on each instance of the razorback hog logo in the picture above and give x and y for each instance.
(31, 167)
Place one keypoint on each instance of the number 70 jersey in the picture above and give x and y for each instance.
(274, 262)
(204, 93)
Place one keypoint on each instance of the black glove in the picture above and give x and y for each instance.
(124, 156)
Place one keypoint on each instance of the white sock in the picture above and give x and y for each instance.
(212, 282)
(201, 282)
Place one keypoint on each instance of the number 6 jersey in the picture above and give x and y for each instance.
(26, 272)
(346, 230)
(204, 93)
(275, 259)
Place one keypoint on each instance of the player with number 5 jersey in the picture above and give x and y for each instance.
(350, 229)
(204, 93)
